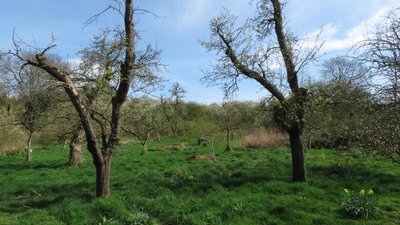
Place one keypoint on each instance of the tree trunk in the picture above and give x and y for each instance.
(29, 148)
(144, 144)
(298, 164)
(144, 148)
(228, 142)
(65, 144)
(103, 176)
(75, 153)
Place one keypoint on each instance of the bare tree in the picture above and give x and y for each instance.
(346, 71)
(172, 107)
(142, 120)
(31, 86)
(381, 52)
(261, 50)
(101, 155)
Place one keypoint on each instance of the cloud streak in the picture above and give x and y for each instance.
(336, 39)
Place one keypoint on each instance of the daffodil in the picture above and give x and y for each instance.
(362, 192)
(370, 191)
(350, 162)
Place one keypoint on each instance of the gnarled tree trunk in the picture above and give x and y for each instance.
(103, 176)
(75, 154)
(101, 156)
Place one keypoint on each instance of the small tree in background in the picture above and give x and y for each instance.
(32, 88)
(172, 108)
(34, 117)
(142, 119)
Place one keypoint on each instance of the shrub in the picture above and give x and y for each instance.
(261, 138)
(360, 205)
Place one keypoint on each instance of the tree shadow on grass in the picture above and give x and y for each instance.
(47, 197)
(32, 165)
(234, 180)
(358, 174)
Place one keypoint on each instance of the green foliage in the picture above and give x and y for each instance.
(381, 131)
(36, 106)
(360, 205)
(334, 115)
(287, 115)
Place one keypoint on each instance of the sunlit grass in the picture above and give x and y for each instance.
(240, 187)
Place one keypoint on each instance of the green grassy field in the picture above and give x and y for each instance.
(241, 187)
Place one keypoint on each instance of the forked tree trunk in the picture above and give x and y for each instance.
(298, 164)
(103, 169)
(29, 147)
(75, 153)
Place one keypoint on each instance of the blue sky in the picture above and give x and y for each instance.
(181, 25)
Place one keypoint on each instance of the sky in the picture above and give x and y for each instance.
(179, 27)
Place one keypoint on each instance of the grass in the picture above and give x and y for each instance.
(240, 187)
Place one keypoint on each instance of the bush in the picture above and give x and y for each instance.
(359, 205)
(261, 138)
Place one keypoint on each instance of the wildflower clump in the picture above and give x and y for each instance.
(181, 178)
(343, 167)
(362, 204)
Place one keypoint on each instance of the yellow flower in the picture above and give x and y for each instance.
(370, 191)
(362, 192)
(350, 162)
(346, 190)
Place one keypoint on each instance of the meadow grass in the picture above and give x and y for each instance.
(240, 187)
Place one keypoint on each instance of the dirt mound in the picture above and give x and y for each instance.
(201, 157)
(180, 147)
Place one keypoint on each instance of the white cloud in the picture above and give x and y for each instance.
(330, 34)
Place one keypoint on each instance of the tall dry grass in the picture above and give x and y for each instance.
(262, 138)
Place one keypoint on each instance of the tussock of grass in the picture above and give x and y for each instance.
(261, 138)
